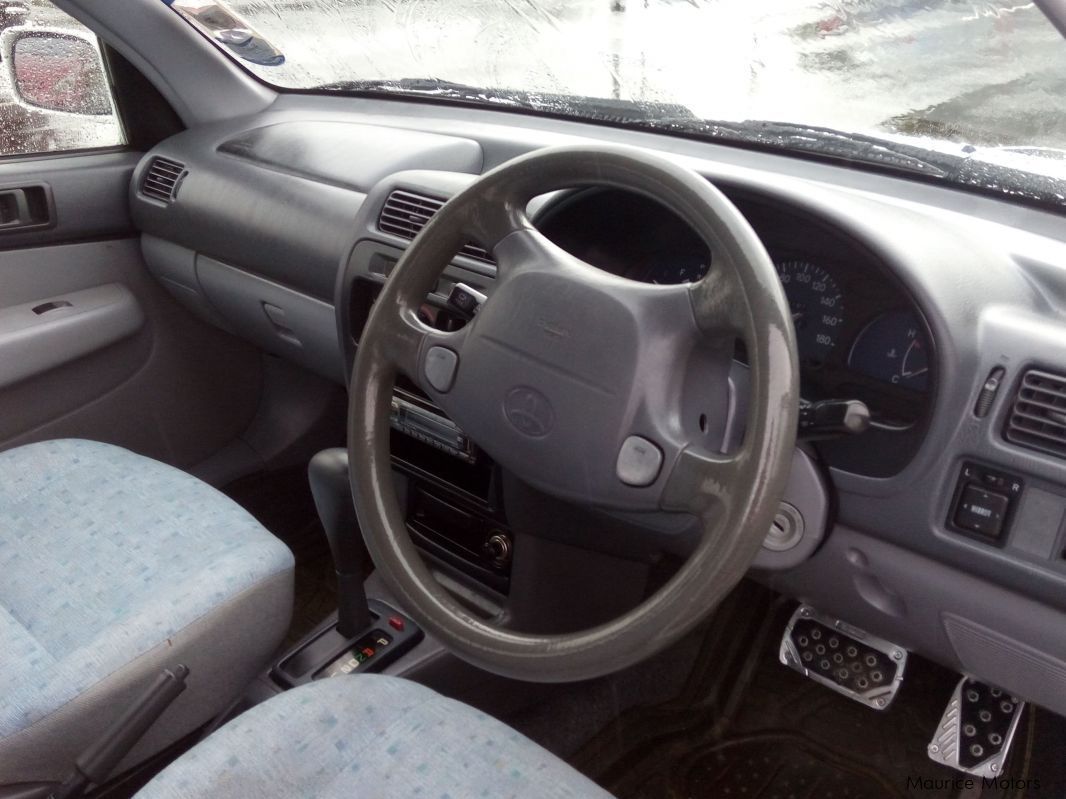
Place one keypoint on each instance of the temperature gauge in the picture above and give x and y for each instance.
(893, 348)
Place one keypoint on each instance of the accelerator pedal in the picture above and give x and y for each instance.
(977, 728)
(848, 660)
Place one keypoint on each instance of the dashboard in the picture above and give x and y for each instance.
(940, 309)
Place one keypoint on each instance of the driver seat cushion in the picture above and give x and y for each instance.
(367, 736)
(115, 566)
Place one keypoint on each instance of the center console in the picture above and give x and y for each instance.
(452, 500)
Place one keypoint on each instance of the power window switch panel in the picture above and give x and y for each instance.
(980, 511)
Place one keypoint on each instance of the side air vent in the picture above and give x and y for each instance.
(1038, 417)
(405, 214)
(161, 179)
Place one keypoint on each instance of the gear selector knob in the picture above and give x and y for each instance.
(328, 475)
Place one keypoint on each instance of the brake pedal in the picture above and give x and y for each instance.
(977, 728)
(848, 660)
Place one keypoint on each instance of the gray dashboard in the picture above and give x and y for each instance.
(277, 216)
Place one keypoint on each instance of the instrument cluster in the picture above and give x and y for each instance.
(857, 335)
(858, 332)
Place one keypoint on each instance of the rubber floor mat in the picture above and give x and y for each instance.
(776, 766)
(747, 726)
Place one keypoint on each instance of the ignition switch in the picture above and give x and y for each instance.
(498, 548)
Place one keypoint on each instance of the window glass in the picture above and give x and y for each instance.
(960, 91)
(54, 92)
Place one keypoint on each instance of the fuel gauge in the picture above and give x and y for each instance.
(893, 348)
(671, 269)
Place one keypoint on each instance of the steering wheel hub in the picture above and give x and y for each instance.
(529, 411)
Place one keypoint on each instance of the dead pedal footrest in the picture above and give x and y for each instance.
(850, 661)
(976, 730)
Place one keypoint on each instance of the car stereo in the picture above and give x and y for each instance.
(412, 417)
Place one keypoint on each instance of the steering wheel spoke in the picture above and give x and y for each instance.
(719, 305)
(428, 356)
(701, 482)
(528, 248)
(402, 342)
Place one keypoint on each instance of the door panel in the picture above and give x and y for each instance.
(89, 195)
(41, 335)
(138, 370)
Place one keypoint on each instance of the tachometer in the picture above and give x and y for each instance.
(817, 307)
(893, 348)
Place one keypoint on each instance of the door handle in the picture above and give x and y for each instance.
(24, 207)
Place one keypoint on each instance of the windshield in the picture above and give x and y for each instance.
(954, 84)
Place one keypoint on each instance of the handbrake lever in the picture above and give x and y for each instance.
(95, 764)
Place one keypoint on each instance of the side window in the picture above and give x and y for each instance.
(54, 91)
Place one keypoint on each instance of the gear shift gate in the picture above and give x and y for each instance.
(327, 653)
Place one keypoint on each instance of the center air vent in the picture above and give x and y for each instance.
(161, 179)
(1038, 417)
(405, 214)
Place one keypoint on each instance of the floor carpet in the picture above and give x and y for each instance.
(282, 502)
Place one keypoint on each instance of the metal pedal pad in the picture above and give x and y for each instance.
(848, 660)
(976, 729)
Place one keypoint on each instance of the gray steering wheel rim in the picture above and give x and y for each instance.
(747, 296)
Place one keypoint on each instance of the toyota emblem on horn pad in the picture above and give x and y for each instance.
(529, 411)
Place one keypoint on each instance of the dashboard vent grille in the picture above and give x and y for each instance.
(161, 179)
(405, 214)
(1038, 417)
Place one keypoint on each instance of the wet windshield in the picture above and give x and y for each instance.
(942, 87)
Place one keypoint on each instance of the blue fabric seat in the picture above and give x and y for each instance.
(367, 737)
(112, 567)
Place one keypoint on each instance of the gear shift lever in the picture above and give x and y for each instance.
(328, 475)
(367, 636)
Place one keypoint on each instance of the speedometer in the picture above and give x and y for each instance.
(817, 307)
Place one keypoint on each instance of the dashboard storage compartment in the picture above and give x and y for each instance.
(174, 267)
(476, 544)
(279, 319)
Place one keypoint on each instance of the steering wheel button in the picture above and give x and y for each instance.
(440, 367)
(639, 462)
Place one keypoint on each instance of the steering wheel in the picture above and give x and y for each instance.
(584, 385)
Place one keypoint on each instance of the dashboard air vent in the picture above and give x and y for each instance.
(161, 179)
(1038, 417)
(405, 214)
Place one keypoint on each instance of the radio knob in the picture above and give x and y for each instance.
(498, 547)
